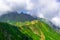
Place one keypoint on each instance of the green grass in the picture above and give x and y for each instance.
(34, 30)
(9, 32)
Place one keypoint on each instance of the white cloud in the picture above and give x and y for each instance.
(11, 5)
(56, 20)
(46, 6)
(41, 15)
(30, 5)
(4, 7)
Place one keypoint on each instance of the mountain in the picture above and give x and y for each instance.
(57, 28)
(10, 32)
(39, 30)
(22, 17)
(12, 17)
(25, 27)
(15, 17)
(34, 30)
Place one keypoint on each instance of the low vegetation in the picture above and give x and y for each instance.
(34, 30)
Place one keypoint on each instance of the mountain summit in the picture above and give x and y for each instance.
(15, 17)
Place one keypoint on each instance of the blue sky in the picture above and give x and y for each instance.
(49, 9)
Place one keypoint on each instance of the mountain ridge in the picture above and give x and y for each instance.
(14, 16)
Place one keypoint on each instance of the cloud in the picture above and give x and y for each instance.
(4, 7)
(56, 20)
(41, 8)
(46, 7)
(9, 5)
(30, 5)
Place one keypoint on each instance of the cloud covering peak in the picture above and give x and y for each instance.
(41, 8)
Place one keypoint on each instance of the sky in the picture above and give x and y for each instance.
(49, 9)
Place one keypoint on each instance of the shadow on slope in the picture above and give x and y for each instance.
(9, 32)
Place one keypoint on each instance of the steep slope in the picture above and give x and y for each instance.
(15, 17)
(34, 30)
(39, 30)
(9, 32)
(26, 27)
(57, 28)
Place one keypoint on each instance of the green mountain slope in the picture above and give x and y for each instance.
(9, 32)
(34, 30)
(39, 30)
